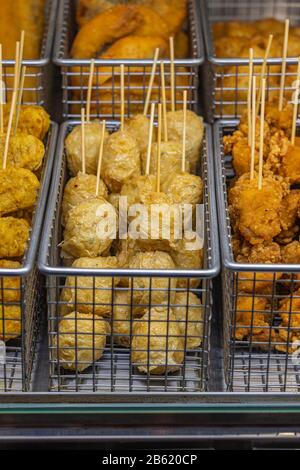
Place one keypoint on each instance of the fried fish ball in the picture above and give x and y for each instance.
(14, 234)
(10, 286)
(121, 160)
(33, 120)
(227, 47)
(18, 189)
(184, 188)
(80, 188)
(81, 340)
(138, 127)
(186, 254)
(93, 133)
(24, 151)
(189, 313)
(151, 292)
(10, 322)
(253, 318)
(194, 133)
(157, 344)
(182, 45)
(237, 29)
(113, 199)
(122, 319)
(171, 158)
(136, 188)
(82, 237)
(90, 294)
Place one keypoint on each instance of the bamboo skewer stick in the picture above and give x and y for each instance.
(263, 71)
(2, 92)
(122, 90)
(83, 140)
(150, 137)
(150, 86)
(295, 107)
(21, 52)
(164, 102)
(158, 148)
(89, 91)
(20, 96)
(184, 131)
(16, 68)
(249, 94)
(10, 120)
(100, 157)
(172, 72)
(261, 134)
(253, 127)
(283, 66)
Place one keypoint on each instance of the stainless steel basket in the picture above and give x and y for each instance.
(115, 370)
(105, 100)
(260, 352)
(37, 85)
(224, 79)
(24, 296)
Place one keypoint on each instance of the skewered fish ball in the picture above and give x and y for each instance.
(33, 120)
(14, 234)
(18, 189)
(90, 294)
(155, 291)
(187, 309)
(82, 236)
(79, 189)
(138, 127)
(184, 188)
(121, 160)
(113, 199)
(187, 255)
(10, 322)
(135, 188)
(157, 344)
(24, 151)
(93, 133)
(194, 133)
(81, 340)
(170, 160)
(121, 324)
(10, 286)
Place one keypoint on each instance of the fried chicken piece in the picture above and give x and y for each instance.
(18, 189)
(288, 215)
(290, 164)
(289, 329)
(14, 235)
(237, 29)
(229, 47)
(33, 120)
(253, 319)
(270, 25)
(279, 119)
(24, 151)
(290, 254)
(255, 212)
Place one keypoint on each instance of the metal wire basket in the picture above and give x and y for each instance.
(37, 84)
(117, 370)
(105, 101)
(22, 298)
(225, 80)
(261, 305)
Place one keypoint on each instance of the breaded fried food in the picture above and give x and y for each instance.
(290, 164)
(289, 216)
(181, 45)
(18, 189)
(33, 120)
(253, 319)
(289, 328)
(24, 151)
(10, 322)
(174, 12)
(14, 235)
(10, 286)
(189, 313)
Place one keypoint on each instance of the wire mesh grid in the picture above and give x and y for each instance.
(37, 76)
(105, 98)
(127, 330)
(226, 79)
(22, 298)
(261, 306)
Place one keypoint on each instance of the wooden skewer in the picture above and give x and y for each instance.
(21, 52)
(10, 120)
(249, 94)
(184, 131)
(172, 72)
(283, 66)
(122, 90)
(295, 108)
(19, 100)
(16, 69)
(261, 134)
(2, 92)
(263, 71)
(151, 123)
(253, 126)
(100, 157)
(83, 140)
(164, 102)
(150, 86)
(158, 148)
(89, 91)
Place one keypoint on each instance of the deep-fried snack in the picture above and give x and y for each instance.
(14, 235)
(79, 189)
(10, 286)
(186, 254)
(24, 151)
(121, 160)
(253, 317)
(10, 322)
(181, 45)
(289, 328)
(138, 127)
(136, 188)
(289, 217)
(188, 310)
(184, 188)
(33, 120)
(18, 189)
(80, 340)
(157, 344)
(122, 319)
(171, 159)
(290, 164)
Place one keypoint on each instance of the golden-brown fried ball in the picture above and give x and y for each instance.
(10, 322)
(122, 319)
(184, 188)
(33, 120)
(186, 254)
(24, 151)
(137, 187)
(18, 189)
(138, 127)
(157, 344)
(188, 310)
(10, 286)
(171, 158)
(81, 340)
(253, 319)
(121, 160)
(14, 235)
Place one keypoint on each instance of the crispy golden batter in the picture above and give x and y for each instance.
(189, 313)
(18, 189)
(184, 188)
(33, 120)
(10, 322)
(122, 323)
(187, 255)
(289, 216)
(171, 158)
(253, 319)
(10, 287)
(289, 329)
(279, 119)
(80, 340)
(136, 188)
(290, 164)
(157, 344)
(24, 151)
(182, 45)
(138, 127)
(14, 235)
(173, 12)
